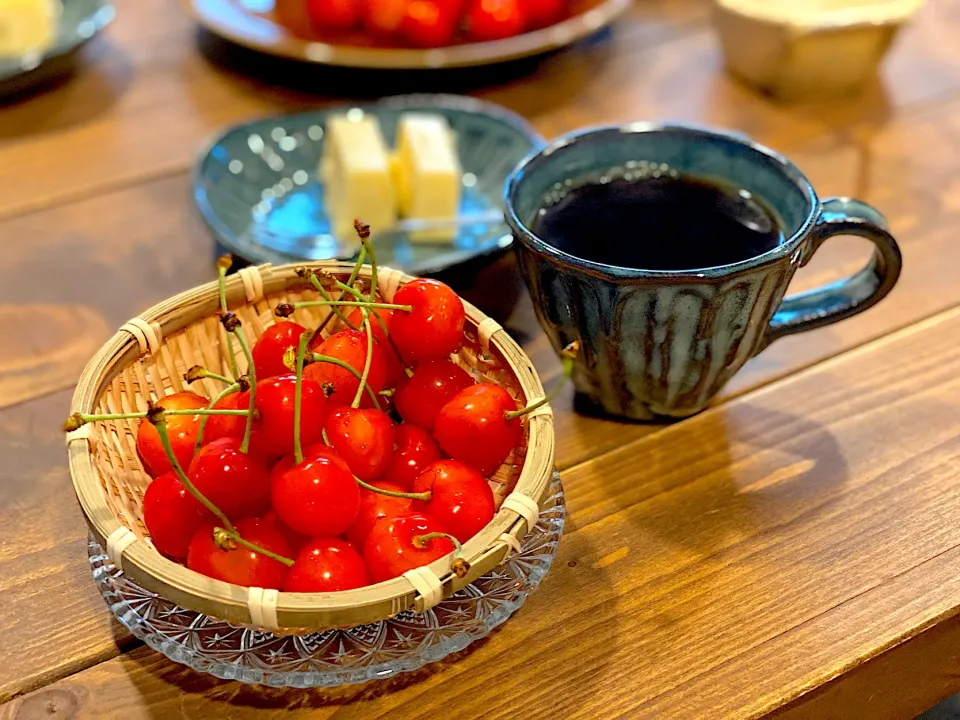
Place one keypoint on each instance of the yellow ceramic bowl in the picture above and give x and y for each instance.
(794, 48)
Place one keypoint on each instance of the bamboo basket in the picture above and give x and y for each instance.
(147, 358)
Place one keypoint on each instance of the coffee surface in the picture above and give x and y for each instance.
(665, 223)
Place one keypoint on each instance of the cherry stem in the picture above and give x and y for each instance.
(290, 362)
(198, 372)
(229, 390)
(78, 420)
(567, 357)
(159, 421)
(351, 303)
(252, 373)
(223, 264)
(318, 357)
(298, 398)
(235, 536)
(315, 281)
(357, 265)
(425, 496)
(373, 285)
(421, 541)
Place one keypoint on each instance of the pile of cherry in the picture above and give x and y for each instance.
(297, 477)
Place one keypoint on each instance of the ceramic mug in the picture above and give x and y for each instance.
(661, 343)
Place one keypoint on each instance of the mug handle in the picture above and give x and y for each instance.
(830, 303)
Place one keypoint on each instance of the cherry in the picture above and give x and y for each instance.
(316, 450)
(172, 515)
(182, 430)
(275, 404)
(240, 565)
(426, 24)
(273, 344)
(224, 426)
(349, 346)
(374, 507)
(363, 438)
(493, 20)
(434, 327)
(413, 451)
(333, 14)
(295, 540)
(327, 565)
(318, 497)
(461, 499)
(473, 427)
(419, 398)
(541, 13)
(393, 366)
(237, 483)
(391, 548)
(383, 17)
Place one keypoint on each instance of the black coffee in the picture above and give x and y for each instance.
(662, 223)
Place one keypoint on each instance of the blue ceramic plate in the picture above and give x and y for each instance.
(80, 20)
(257, 187)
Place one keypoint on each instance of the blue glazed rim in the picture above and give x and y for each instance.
(462, 103)
(526, 236)
(17, 75)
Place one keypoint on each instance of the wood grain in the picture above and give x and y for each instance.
(52, 620)
(721, 568)
(149, 99)
(53, 344)
(119, 263)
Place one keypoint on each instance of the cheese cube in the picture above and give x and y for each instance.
(355, 172)
(27, 26)
(427, 173)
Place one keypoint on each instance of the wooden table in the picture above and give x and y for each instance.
(794, 551)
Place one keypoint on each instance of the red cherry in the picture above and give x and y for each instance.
(172, 515)
(270, 348)
(419, 397)
(413, 451)
(461, 499)
(181, 429)
(394, 368)
(350, 346)
(317, 450)
(473, 427)
(275, 404)
(541, 13)
(295, 540)
(223, 426)
(390, 549)
(317, 497)
(374, 507)
(333, 14)
(327, 565)
(240, 565)
(363, 438)
(426, 24)
(382, 17)
(237, 483)
(434, 327)
(494, 20)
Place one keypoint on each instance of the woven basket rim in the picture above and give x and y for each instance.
(295, 610)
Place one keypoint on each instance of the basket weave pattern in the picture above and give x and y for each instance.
(185, 331)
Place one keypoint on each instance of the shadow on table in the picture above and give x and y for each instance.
(79, 88)
(735, 471)
(267, 72)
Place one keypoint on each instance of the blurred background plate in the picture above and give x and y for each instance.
(253, 24)
(257, 188)
(79, 22)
